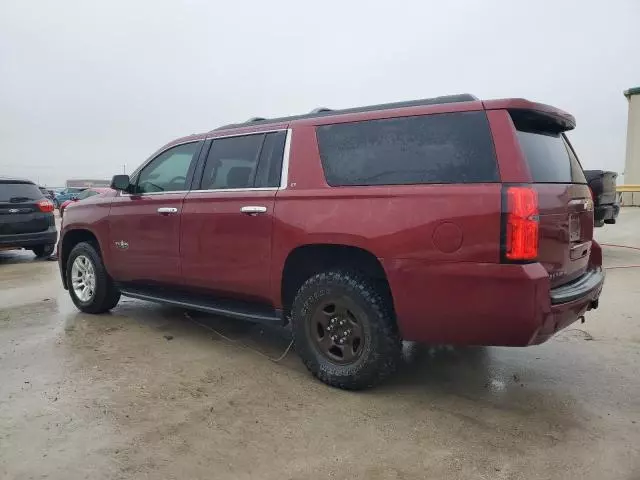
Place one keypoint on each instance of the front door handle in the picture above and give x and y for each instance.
(253, 209)
(167, 210)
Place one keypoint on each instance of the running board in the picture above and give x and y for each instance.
(225, 308)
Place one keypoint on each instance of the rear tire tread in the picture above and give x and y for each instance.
(385, 353)
(43, 251)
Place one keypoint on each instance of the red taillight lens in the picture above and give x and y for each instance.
(522, 223)
(45, 206)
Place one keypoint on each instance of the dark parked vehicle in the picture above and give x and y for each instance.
(603, 188)
(50, 194)
(448, 220)
(26, 217)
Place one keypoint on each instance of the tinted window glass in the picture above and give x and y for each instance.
(19, 192)
(87, 194)
(577, 174)
(168, 172)
(549, 157)
(270, 163)
(442, 148)
(232, 162)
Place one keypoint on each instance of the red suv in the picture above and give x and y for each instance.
(448, 220)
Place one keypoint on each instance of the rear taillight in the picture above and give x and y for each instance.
(45, 206)
(521, 223)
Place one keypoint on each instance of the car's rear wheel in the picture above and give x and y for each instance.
(90, 286)
(344, 329)
(43, 251)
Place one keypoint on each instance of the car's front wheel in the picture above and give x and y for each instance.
(90, 286)
(43, 251)
(345, 330)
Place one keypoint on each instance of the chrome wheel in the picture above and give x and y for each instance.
(83, 278)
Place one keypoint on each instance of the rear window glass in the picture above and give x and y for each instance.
(19, 192)
(550, 158)
(439, 148)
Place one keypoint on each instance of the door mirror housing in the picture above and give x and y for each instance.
(121, 182)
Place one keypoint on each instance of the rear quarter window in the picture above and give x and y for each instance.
(439, 148)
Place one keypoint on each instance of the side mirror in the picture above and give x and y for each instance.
(74, 197)
(120, 182)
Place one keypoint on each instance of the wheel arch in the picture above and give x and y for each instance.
(306, 260)
(69, 240)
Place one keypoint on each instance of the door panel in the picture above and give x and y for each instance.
(224, 250)
(145, 243)
(144, 226)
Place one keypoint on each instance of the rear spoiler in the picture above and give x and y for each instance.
(544, 117)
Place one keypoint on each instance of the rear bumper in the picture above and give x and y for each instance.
(26, 240)
(605, 214)
(584, 287)
(486, 304)
(569, 303)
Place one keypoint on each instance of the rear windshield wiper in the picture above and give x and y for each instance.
(18, 199)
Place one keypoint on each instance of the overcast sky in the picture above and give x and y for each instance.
(87, 86)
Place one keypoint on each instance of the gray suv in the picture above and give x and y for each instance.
(26, 217)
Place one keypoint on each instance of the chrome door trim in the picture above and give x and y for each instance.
(245, 134)
(231, 190)
(284, 176)
(122, 194)
(254, 209)
(167, 210)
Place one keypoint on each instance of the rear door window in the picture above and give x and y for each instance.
(271, 157)
(245, 161)
(232, 162)
(440, 148)
(19, 192)
(550, 157)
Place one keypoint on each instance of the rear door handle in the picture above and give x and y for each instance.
(253, 209)
(167, 210)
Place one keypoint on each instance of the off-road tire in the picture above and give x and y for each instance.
(383, 347)
(43, 251)
(106, 294)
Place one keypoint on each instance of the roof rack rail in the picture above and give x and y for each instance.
(321, 109)
(325, 112)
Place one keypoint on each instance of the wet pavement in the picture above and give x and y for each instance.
(145, 392)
